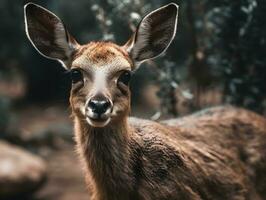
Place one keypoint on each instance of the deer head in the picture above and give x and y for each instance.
(100, 71)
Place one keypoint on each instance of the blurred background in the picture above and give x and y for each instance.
(218, 57)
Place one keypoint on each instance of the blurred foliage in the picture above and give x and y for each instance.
(240, 43)
(219, 44)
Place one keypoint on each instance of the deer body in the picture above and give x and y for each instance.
(213, 155)
(216, 154)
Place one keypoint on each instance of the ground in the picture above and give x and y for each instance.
(66, 180)
(48, 132)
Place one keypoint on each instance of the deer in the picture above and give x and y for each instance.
(218, 153)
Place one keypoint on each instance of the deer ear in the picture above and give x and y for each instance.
(154, 34)
(48, 34)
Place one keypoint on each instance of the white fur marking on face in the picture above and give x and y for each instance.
(100, 80)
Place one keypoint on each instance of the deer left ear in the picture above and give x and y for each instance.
(154, 34)
(48, 34)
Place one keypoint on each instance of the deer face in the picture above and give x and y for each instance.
(100, 71)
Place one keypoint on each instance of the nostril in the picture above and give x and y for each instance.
(92, 104)
(106, 104)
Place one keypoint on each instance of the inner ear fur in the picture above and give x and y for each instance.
(154, 34)
(48, 34)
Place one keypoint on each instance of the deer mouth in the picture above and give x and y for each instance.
(98, 121)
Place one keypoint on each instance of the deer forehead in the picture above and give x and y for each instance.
(105, 56)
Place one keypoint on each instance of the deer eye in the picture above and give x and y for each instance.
(76, 76)
(124, 78)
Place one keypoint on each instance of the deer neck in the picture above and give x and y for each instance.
(106, 153)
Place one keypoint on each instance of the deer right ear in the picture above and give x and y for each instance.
(48, 34)
(154, 34)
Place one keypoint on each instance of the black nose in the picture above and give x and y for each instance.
(99, 106)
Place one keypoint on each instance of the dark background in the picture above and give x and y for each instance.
(218, 57)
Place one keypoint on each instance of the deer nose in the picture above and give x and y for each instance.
(99, 106)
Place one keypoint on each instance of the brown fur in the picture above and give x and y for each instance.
(101, 52)
(219, 153)
(216, 154)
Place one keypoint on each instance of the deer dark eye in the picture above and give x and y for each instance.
(76, 76)
(125, 78)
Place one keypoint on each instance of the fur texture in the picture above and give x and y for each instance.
(219, 153)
